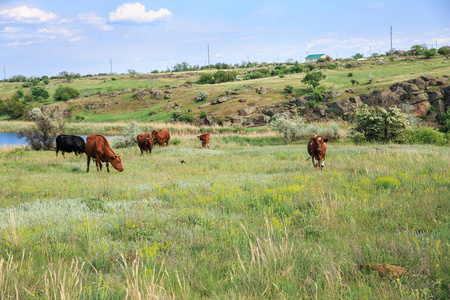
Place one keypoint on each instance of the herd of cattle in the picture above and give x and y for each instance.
(97, 147)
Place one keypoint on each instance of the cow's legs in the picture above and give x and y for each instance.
(88, 162)
(107, 166)
(322, 163)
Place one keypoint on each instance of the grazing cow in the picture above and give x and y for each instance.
(145, 143)
(316, 148)
(98, 148)
(205, 138)
(70, 143)
(161, 137)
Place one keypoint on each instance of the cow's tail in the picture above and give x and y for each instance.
(308, 158)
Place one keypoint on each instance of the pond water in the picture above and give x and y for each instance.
(12, 139)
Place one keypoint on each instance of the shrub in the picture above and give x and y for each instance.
(317, 95)
(387, 182)
(46, 81)
(175, 141)
(313, 78)
(425, 135)
(187, 118)
(288, 88)
(380, 124)
(444, 120)
(79, 118)
(14, 108)
(39, 93)
(201, 96)
(203, 114)
(64, 93)
(129, 136)
(42, 135)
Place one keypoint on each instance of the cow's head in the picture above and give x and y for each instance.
(149, 142)
(320, 142)
(155, 136)
(116, 162)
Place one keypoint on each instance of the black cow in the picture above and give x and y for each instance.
(70, 143)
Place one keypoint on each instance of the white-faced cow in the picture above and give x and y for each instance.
(316, 148)
(70, 143)
(98, 148)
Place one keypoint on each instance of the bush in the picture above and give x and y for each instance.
(46, 81)
(425, 135)
(187, 118)
(201, 96)
(39, 93)
(129, 136)
(380, 124)
(444, 120)
(42, 135)
(14, 108)
(288, 88)
(79, 118)
(64, 93)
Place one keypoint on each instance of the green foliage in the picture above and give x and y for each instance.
(14, 107)
(79, 118)
(201, 96)
(203, 114)
(217, 77)
(46, 81)
(187, 118)
(39, 93)
(444, 51)
(64, 93)
(426, 135)
(313, 78)
(129, 136)
(288, 88)
(380, 124)
(357, 56)
(429, 53)
(113, 78)
(317, 95)
(444, 120)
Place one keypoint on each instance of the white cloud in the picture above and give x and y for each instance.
(63, 34)
(135, 12)
(27, 15)
(377, 5)
(11, 29)
(17, 43)
(93, 19)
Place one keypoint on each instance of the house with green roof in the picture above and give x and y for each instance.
(312, 58)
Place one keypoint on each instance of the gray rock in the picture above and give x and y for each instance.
(262, 90)
(246, 111)
(435, 95)
(204, 105)
(439, 105)
(221, 99)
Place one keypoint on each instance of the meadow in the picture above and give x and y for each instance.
(239, 221)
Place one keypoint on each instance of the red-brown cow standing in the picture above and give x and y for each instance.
(145, 143)
(205, 138)
(161, 137)
(316, 148)
(98, 148)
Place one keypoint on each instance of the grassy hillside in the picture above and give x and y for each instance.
(236, 221)
(124, 107)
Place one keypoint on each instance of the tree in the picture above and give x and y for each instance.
(42, 135)
(444, 51)
(64, 93)
(14, 106)
(380, 124)
(418, 49)
(184, 66)
(39, 93)
(429, 53)
(313, 78)
(357, 56)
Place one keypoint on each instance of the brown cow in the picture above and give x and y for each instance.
(145, 143)
(98, 148)
(161, 137)
(316, 148)
(205, 138)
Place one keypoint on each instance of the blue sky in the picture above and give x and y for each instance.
(45, 37)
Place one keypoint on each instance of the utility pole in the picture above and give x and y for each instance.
(110, 64)
(4, 73)
(208, 58)
(391, 41)
(436, 44)
(370, 50)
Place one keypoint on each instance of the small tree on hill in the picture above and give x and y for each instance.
(444, 51)
(64, 93)
(42, 135)
(39, 93)
(313, 78)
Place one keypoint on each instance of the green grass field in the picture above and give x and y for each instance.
(237, 221)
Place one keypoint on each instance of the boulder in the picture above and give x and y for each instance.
(141, 95)
(298, 101)
(262, 90)
(204, 105)
(246, 111)
(220, 99)
(439, 106)
(340, 107)
(421, 108)
(419, 82)
(435, 95)
(242, 100)
(321, 111)
(447, 96)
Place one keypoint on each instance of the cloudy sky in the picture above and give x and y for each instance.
(45, 37)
